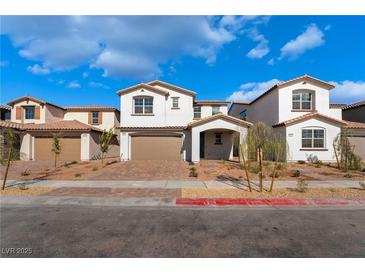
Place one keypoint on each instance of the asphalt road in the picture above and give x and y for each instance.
(80, 231)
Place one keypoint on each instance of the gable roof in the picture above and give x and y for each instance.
(25, 98)
(308, 116)
(62, 125)
(354, 125)
(13, 125)
(5, 107)
(355, 105)
(173, 87)
(222, 117)
(211, 102)
(340, 106)
(287, 83)
(142, 86)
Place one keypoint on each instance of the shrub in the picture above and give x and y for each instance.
(295, 173)
(193, 172)
(67, 164)
(362, 185)
(302, 186)
(78, 175)
(313, 159)
(25, 172)
(282, 166)
(23, 187)
(111, 162)
(95, 168)
(347, 175)
(301, 162)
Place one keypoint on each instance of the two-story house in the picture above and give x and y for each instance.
(78, 128)
(165, 122)
(299, 109)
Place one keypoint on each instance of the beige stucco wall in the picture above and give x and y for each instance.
(53, 114)
(26, 121)
(109, 120)
(218, 152)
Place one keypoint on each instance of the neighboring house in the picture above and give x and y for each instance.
(298, 109)
(5, 113)
(38, 120)
(354, 112)
(165, 122)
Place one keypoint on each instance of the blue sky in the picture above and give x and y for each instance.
(83, 60)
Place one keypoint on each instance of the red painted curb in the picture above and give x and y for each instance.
(267, 202)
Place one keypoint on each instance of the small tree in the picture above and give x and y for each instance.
(10, 143)
(56, 147)
(244, 164)
(277, 146)
(105, 141)
(258, 138)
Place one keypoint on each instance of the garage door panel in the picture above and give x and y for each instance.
(71, 149)
(156, 148)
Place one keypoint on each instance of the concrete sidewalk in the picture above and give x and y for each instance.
(175, 184)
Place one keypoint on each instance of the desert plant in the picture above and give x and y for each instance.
(295, 173)
(313, 159)
(277, 146)
(362, 185)
(70, 163)
(344, 152)
(78, 174)
(95, 168)
(23, 187)
(302, 185)
(10, 143)
(105, 140)
(301, 162)
(347, 175)
(257, 142)
(56, 147)
(193, 172)
(244, 165)
(25, 172)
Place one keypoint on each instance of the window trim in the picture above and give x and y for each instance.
(300, 92)
(200, 112)
(143, 113)
(313, 138)
(25, 112)
(92, 117)
(177, 101)
(218, 136)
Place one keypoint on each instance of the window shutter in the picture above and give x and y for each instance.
(89, 122)
(18, 113)
(37, 113)
(100, 120)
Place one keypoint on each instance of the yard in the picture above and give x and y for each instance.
(206, 170)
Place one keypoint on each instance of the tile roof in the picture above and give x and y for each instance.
(340, 106)
(151, 128)
(211, 102)
(358, 104)
(90, 108)
(354, 125)
(219, 116)
(62, 125)
(170, 86)
(143, 86)
(313, 114)
(32, 99)
(5, 107)
(8, 124)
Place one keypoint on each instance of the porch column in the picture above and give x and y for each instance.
(195, 145)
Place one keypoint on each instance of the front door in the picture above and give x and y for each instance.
(202, 144)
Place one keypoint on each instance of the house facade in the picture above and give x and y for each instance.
(78, 128)
(165, 122)
(300, 111)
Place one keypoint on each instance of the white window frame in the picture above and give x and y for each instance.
(216, 112)
(300, 93)
(144, 106)
(25, 112)
(313, 138)
(175, 102)
(197, 114)
(218, 138)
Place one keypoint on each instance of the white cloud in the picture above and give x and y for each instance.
(271, 61)
(348, 91)
(262, 47)
(85, 75)
(73, 84)
(98, 85)
(133, 47)
(249, 91)
(38, 70)
(4, 63)
(311, 38)
(328, 27)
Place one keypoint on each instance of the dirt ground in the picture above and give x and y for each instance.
(172, 170)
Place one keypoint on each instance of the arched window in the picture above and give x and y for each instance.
(313, 137)
(143, 105)
(302, 100)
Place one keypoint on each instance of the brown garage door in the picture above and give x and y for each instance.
(71, 149)
(156, 148)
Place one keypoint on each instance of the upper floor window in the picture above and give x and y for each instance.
(215, 110)
(95, 117)
(29, 112)
(197, 112)
(313, 138)
(302, 100)
(175, 102)
(143, 105)
(218, 139)
(243, 115)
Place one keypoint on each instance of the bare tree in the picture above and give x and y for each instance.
(244, 164)
(278, 146)
(56, 147)
(10, 143)
(105, 141)
(258, 138)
